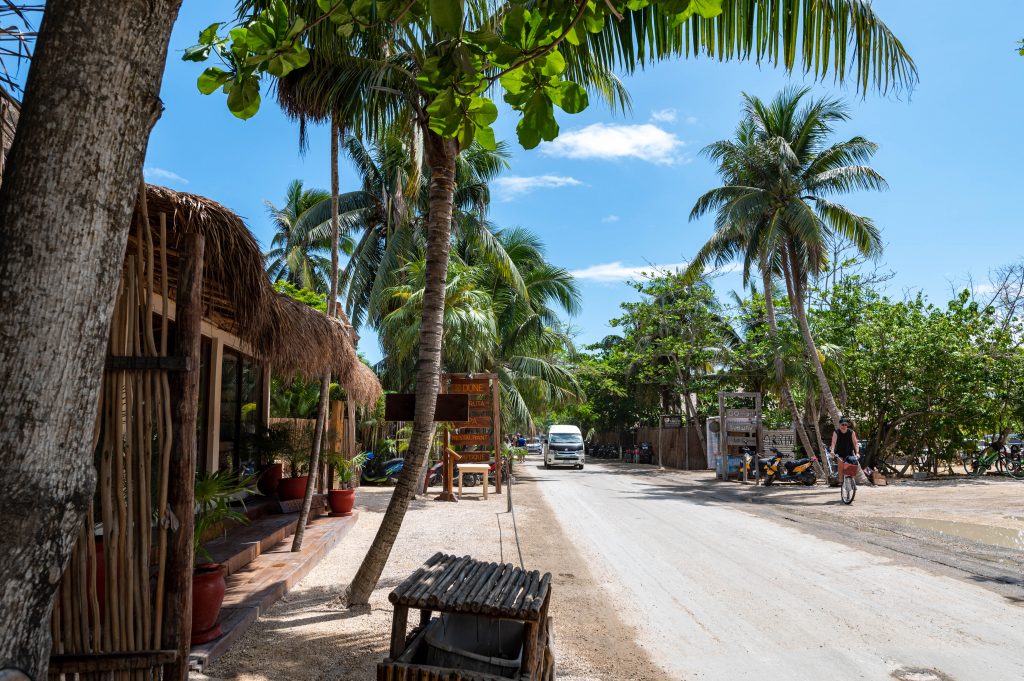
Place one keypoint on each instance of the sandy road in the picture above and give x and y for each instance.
(715, 592)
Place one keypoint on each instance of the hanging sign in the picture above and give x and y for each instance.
(475, 387)
(472, 438)
(671, 421)
(402, 407)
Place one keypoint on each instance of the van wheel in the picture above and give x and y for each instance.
(579, 467)
(547, 465)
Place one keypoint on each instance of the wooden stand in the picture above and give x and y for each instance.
(463, 586)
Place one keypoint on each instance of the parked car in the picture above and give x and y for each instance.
(564, 447)
(533, 446)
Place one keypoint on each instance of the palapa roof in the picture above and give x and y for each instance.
(239, 298)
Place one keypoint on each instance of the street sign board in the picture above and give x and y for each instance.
(474, 387)
(740, 441)
(740, 413)
(402, 407)
(472, 438)
(671, 421)
(479, 421)
(473, 457)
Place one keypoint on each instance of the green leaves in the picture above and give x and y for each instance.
(463, 117)
(447, 14)
(211, 79)
(244, 98)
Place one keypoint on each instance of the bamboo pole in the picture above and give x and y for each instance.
(177, 616)
(164, 427)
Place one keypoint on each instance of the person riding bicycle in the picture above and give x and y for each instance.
(844, 442)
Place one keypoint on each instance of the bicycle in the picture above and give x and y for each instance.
(988, 458)
(847, 481)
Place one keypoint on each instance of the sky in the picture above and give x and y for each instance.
(611, 196)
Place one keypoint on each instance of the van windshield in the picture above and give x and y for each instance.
(565, 439)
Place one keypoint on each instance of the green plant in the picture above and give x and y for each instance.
(213, 495)
(300, 438)
(344, 468)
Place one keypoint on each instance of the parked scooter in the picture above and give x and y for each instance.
(758, 469)
(379, 472)
(797, 470)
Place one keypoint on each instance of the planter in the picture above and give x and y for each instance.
(270, 479)
(342, 501)
(292, 488)
(207, 597)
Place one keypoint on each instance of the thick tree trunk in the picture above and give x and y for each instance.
(441, 155)
(780, 371)
(325, 381)
(70, 184)
(796, 302)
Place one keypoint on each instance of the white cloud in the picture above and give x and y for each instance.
(614, 272)
(692, 120)
(161, 175)
(984, 289)
(646, 142)
(512, 186)
(610, 218)
(664, 115)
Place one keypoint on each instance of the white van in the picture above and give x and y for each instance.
(564, 447)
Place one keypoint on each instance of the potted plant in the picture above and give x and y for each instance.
(213, 495)
(297, 453)
(343, 500)
(268, 446)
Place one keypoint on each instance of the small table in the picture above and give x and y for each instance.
(483, 468)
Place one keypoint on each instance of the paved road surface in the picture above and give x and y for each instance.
(718, 593)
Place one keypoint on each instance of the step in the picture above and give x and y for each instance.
(245, 543)
(252, 590)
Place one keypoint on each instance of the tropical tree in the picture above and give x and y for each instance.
(301, 246)
(777, 209)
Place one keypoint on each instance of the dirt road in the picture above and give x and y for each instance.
(716, 591)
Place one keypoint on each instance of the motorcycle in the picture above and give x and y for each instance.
(757, 466)
(797, 470)
(377, 471)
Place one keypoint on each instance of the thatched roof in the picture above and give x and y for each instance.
(239, 298)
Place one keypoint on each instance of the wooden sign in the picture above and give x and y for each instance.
(741, 441)
(671, 421)
(402, 407)
(745, 425)
(783, 440)
(475, 410)
(474, 457)
(472, 438)
(470, 387)
(479, 421)
(740, 413)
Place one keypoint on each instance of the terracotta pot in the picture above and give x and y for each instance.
(342, 501)
(292, 488)
(207, 597)
(270, 479)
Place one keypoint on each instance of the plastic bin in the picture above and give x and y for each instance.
(473, 643)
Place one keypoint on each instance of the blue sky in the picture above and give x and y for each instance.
(612, 195)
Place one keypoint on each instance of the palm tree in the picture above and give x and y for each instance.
(301, 246)
(380, 70)
(777, 209)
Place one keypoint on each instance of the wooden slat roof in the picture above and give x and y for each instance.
(455, 584)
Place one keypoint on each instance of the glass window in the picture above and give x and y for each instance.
(565, 439)
(230, 405)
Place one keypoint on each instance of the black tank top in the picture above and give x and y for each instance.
(844, 442)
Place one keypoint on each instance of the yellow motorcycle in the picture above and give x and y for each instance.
(796, 470)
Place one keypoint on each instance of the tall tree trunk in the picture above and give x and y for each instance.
(441, 155)
(325, 381)
(780, 370)
(796, 302)
(70, 183)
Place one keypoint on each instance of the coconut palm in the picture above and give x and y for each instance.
(301, 246)
(777, 210)
(380, 71)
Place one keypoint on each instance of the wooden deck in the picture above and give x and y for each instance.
(253, 587)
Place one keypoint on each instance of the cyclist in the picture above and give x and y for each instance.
(844, 442)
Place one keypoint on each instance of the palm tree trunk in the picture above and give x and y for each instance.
(76, 162)
(441, 155)
(780, 372)
(325, 381)
(796, 303)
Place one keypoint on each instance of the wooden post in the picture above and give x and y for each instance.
(496, 423)
(177, 620)
(449, 469)
(350, 432)
(398, 630)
